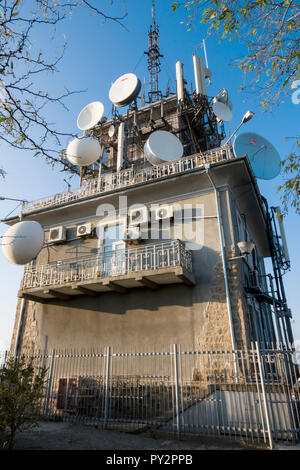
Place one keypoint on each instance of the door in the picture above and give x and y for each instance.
(113, 250)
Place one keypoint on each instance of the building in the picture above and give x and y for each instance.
(146, 253)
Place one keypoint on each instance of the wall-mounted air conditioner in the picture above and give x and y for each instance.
(132, 235)
(138, 215)
(164, 212)
(84, 230)
(57, 234)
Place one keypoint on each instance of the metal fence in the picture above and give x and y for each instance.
(251, 395)
(148, 257)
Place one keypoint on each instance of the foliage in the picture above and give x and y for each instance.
(24, 102)
(21, 389)
(270, 31)
(290, 189)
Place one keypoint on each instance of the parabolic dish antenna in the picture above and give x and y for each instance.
(222, 106)
(22, 242)
(83, 151)
(264, 158)
(111, 131)
(90, 115)
(124, 90)
(162, 146)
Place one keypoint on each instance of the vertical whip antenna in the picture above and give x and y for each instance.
(153, 59)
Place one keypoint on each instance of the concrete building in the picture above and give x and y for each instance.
(146, 254)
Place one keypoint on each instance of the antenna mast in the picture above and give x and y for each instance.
(153, 59)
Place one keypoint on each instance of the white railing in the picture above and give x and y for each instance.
(129, 177)
(149, 257)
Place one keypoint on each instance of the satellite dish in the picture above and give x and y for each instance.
(83, 151)
(90, 115)
(264, 158)
(222, 106)
(124, 90)
(22, 242)
(111, 131)
(162, 146)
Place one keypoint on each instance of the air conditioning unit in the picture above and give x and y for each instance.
(254, 279)
(132, 235)
(84, 230)
(57, 234)
(164, 212)
(138, 215)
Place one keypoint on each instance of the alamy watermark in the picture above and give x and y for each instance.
(155, 222)
(296, 94)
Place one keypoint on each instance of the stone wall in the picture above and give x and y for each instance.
(31, 337)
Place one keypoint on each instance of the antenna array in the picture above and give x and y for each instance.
(153, 59)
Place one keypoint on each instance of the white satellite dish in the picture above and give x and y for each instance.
(162, 146)
(111, 131)
(263, 157)
(222, 106)
(22, 242)
(83, 151)
(90, 115)
(124, 90)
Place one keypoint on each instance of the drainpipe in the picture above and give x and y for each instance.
(233, 341)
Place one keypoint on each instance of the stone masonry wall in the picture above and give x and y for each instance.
(215, 330)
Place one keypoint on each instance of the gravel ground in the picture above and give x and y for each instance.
(67, 436)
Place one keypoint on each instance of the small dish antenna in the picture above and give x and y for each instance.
(124, 90)
(90, 115)
(162, 146)
(111, 131)
(22, 242)
(263, 157)
(222, 106)
(83, 151)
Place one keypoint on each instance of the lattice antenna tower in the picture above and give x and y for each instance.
(153, 59)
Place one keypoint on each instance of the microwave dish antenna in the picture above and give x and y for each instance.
(90, 115)
(222, 106)
(22, 242)
(124, 90)
(263, 157)
(83, 151)
(162, 146)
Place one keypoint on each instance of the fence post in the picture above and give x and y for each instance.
(177, 392)
(107, 378)
(261, 372)
(50, 381)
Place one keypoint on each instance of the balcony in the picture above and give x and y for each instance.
(128, 178)
(151, 265)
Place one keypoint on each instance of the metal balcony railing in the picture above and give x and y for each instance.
(148, 257)
(129, 177)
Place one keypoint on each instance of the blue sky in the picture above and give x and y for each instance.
(97, 54)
